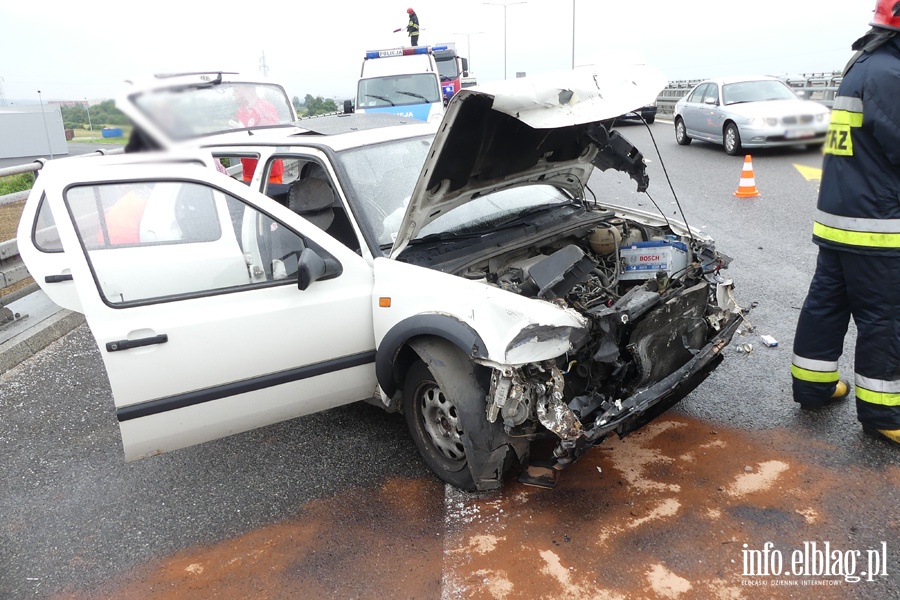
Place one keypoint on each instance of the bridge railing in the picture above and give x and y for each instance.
(12, 269)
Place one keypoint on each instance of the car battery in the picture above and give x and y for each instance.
(643, 260)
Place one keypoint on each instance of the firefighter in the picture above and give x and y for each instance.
(413, 27)
(857, 229)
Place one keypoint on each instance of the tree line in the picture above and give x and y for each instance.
(103, 113)
(312, 106)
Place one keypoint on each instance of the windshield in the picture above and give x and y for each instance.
(447, 66)
(398, 90)
(195, 111)
(492, 211)
(381, 178)
(756, 91)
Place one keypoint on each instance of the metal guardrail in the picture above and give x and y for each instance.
(12, 269)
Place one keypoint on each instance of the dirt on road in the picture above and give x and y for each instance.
(673, 511)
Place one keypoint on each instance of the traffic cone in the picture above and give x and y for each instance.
(747, 186)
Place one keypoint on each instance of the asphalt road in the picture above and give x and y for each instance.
(339, 504)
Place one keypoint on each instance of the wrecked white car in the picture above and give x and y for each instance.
(459, 277)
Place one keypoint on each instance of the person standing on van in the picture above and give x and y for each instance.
(413, 27)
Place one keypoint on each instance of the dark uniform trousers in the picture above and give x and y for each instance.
(865, 287)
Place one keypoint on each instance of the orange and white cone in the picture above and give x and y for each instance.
(747, 186)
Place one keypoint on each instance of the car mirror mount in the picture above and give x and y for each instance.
(311, 267)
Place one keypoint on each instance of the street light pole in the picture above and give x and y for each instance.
(88, 111)
(469, 44)
(46, 131)
(573, 35)
(504, 5)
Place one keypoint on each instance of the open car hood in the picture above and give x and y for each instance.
(541, 129)
(175, 110)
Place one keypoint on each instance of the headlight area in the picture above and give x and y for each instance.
(762, 122)
(628, 373)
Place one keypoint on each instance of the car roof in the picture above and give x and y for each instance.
(739, 79)
(338, 132)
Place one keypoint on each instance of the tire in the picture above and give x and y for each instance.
(681, 135)
(731, 139)
(452, 433)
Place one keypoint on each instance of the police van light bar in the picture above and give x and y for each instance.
(402, 51)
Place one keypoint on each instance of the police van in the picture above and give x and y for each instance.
(401, 81)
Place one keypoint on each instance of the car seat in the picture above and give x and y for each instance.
(312, 199)
(325, 210)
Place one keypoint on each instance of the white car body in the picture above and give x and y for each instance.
(189, 279)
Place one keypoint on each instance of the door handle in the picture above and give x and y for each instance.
(138, 343)
(58, 278)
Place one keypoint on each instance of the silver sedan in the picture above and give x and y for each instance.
(758, 112)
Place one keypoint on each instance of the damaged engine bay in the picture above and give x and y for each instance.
(658, 310)
(647, 308)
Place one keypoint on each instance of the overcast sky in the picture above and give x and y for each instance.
(317, 47)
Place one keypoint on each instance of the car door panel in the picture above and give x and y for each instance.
(712, 120)
(201, 340)
(42, 250)
(692, 108)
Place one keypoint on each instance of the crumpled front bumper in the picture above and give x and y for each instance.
(648, 403)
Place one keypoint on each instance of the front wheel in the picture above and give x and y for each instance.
(433, 420)
(732, 140)
(681, 135)
(449, 426)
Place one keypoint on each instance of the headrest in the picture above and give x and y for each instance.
(312, 199)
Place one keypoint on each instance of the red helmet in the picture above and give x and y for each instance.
(409, 11)
(887, 15)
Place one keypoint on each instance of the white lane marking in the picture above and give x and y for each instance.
(467, 513)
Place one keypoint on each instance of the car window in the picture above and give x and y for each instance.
(490, 210)
(697, 94)
(712, 91)
(303, 185)
(162, 240)
(44, 232)
(756, 91)
(446, 65)
(399, 90)
(193, 111)
(237, 166)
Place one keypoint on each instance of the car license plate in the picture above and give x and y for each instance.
(792, 134)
